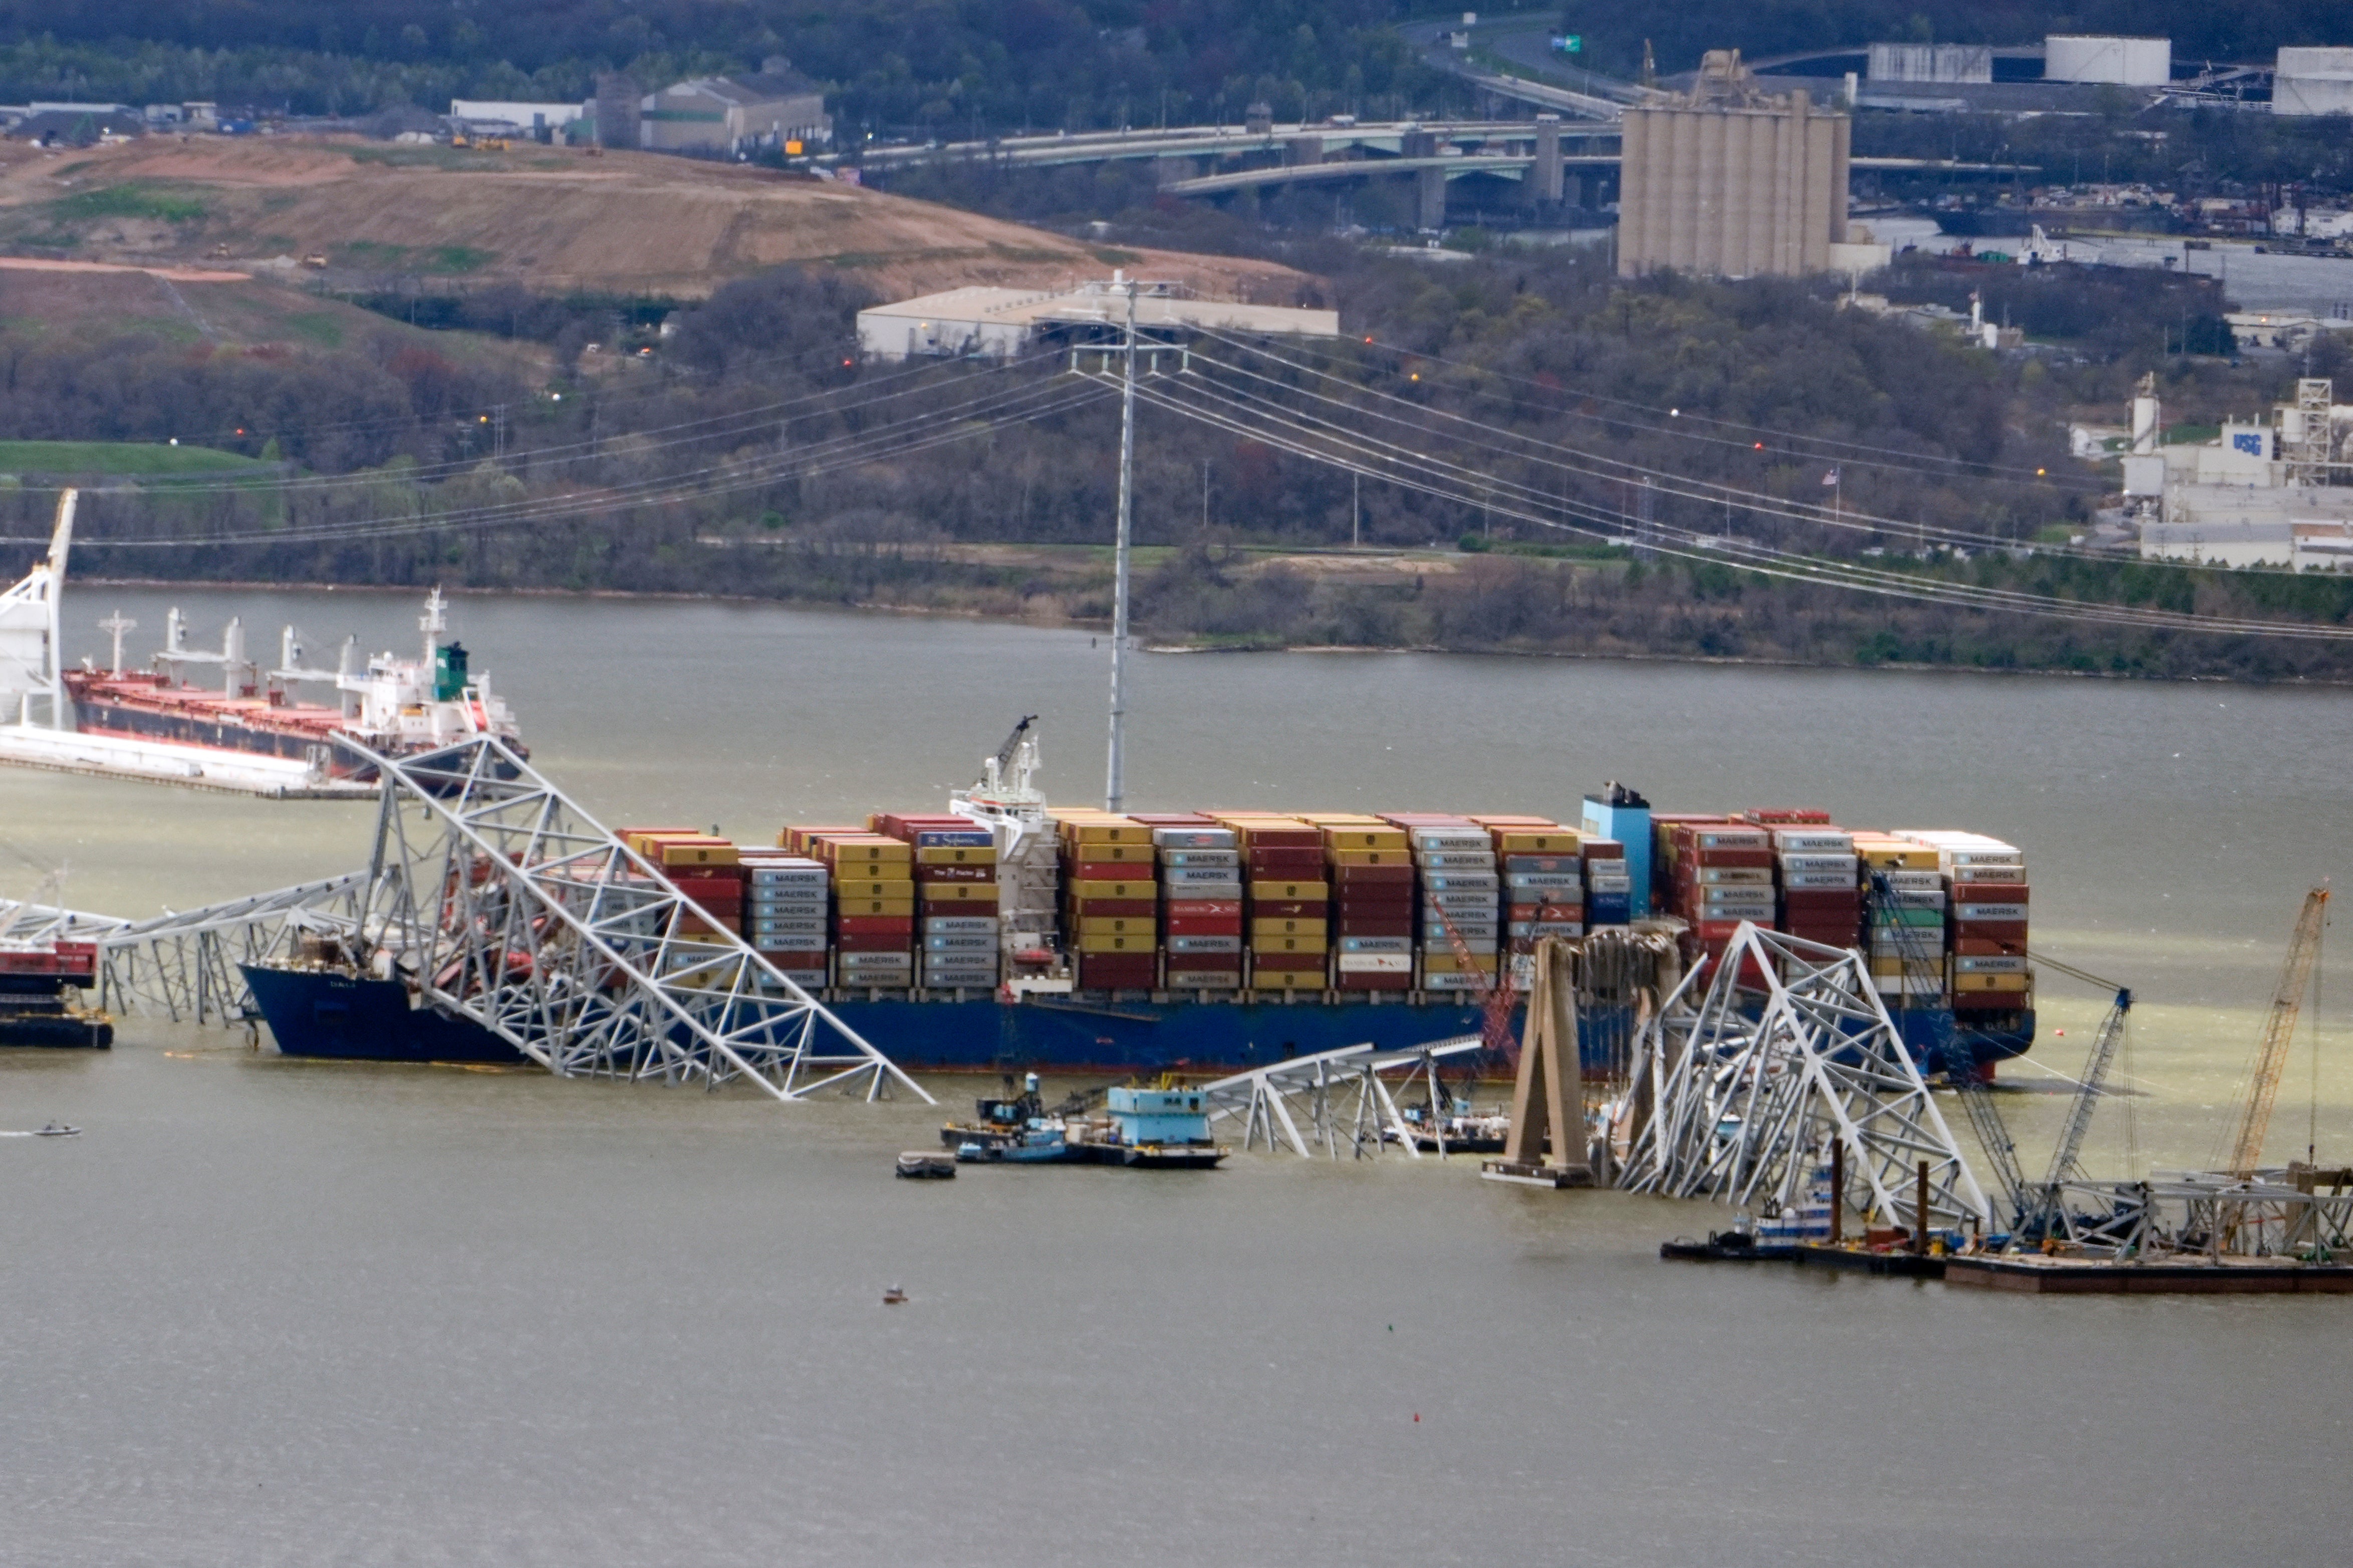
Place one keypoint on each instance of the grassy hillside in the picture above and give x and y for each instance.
(120, 458)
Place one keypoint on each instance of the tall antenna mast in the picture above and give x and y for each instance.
(1115, 773)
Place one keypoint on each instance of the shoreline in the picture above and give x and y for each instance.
(1102, 627)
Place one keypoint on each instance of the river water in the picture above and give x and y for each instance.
(265, 1312)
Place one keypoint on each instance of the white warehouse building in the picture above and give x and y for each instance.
(2124, 62)
(2313, 82)
(997, 323)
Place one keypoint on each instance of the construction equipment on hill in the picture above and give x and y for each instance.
(2246, 1150)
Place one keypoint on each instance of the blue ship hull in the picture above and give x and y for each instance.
(322, 1014)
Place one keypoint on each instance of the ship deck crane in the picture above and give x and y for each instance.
(2255, 1120)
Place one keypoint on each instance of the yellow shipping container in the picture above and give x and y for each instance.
(1116, 942)
(959, 893)
(1524, 841)
(1261, 929)
(1372, 839)
(877, 907)
(698, 852)
(1115, 889)
(1287, 943)
(1096, 852)
(863, 850)
(1449, 963)
(1118, 830)
(1291, 892)
(876, 887)
(1369, 857)
(1894, 854)
(1117, 925)
(956, 855)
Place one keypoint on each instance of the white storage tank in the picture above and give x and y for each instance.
(2125, 62)
(2313, 82)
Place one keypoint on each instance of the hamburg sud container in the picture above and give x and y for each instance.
(1984, 886)
(958, 944)
(786, 911)
(1461, 900)
(1201, 901)
(873, 886)
(701, 866)
(1111, 900)
(1287, 901)
(1904, 920)
(1369, 865)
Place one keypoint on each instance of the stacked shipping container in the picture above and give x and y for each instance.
(1288, 904)
(1984, 886)
(1461, 900)
(1369, 864)
(1111, 902)
(956, 899)
(785, 913)
(1201, 902)
(1907, 927)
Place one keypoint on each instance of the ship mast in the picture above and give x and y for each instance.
(1115, 773)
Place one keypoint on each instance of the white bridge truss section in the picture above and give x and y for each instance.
(1749, 1088)
(1337, 1100)
(183, 967)
(25, 924)
(500, 901)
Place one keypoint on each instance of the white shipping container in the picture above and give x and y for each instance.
(1442, 840)
(1989, 911)
(970, 924)
(1376, 963)
(1193, 838)
(1813, 841)
(1828, 862)
(1819, 881)
(1377, 945)
(788, 941)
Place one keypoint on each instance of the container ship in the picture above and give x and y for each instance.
(1008, 934)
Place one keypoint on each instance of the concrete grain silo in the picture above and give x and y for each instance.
(1732, 182)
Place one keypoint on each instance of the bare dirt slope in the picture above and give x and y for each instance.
(552, 217)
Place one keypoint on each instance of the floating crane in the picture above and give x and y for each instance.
(2044, 1212)
(2279, 1028)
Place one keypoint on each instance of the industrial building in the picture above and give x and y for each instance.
(502, 116)
(998, 323)
(2313, 82)
(778, 110)
(1732, 181)
(1931, 62)
(2260, 494)
(2119, 62)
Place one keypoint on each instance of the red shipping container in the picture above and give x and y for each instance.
(877, 925)
(861, 941)
(2011, 931)
(1144, 907)
(1314, 961)
(1111, 871)
(1289, 909)
(1205, 963)
(1556, 914)
(1354, 925)
(1602, 848)
(1202, 925)
(1986, 947)
(1350, 981)
(1285, 838)
(1352, 876)
(955, 873)
(1190, 907)
(1989, 892)
(1991, 1000)
(1752, 858)
(1171, 820)
(1287, 865)
(1117, 972)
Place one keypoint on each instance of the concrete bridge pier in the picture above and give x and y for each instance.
(1429, 187)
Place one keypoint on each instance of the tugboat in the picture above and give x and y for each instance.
(1019, 1131)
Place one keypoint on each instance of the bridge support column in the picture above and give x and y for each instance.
(1547, 175)
(1429, 187)
(1303, 151)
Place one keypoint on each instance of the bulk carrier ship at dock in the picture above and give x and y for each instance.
(1007, 934)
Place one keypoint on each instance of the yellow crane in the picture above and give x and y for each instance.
(2279, 1028)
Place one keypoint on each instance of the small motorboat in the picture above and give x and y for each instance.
(894, 1297)
(58, 1130)
(926, 1166)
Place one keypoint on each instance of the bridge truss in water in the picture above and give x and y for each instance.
(1786, 1051)
(495, 898)
(1338, 1100)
